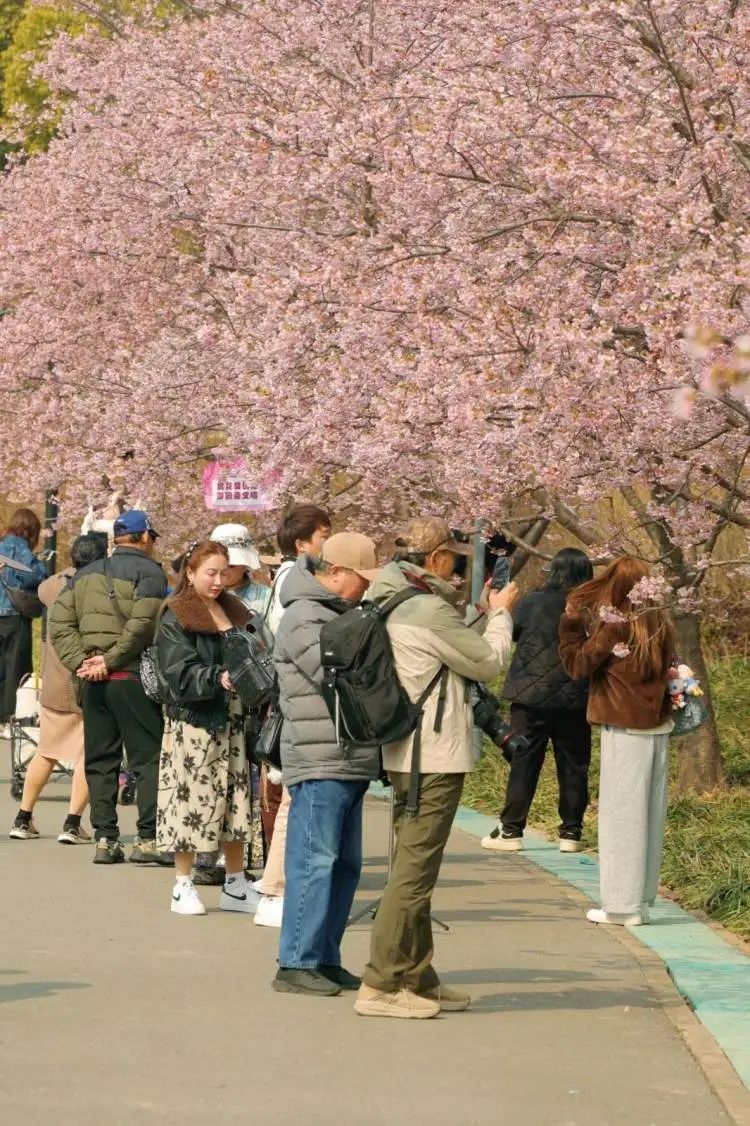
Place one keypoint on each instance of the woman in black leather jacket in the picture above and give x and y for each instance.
(546, 705)
(204, 792)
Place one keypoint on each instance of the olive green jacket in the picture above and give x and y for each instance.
(84, 620)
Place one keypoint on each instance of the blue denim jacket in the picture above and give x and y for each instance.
(15, 547)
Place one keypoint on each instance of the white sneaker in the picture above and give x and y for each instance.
(239, 895)
(270, 911)
(185, 899)
(598, 915)
(497, 841)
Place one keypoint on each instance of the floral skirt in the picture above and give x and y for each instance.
(204, 793)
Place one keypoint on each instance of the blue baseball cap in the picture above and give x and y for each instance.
(134, 523)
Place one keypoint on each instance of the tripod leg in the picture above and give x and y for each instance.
(371, 909)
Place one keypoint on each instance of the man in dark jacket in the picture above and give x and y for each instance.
(326, 782)
(99, 627)
(546, 705)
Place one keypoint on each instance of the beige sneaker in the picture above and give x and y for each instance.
(405, 1004)
(450, 1000)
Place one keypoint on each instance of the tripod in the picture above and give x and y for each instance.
(371, 909)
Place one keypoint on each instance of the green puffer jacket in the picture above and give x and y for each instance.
(84, 622)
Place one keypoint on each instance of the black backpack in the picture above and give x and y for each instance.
(365, 698)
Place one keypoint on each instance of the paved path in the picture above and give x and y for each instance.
(114, 1011)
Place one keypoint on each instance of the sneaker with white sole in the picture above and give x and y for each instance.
(23, 831)
(403, 1004)
(502, 840)
(239, 895)
(270, 910)
(185, 899)
(74, 835)
(610, 918)
(571, 844)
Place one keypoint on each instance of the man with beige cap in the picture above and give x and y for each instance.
(427, 634)
(327, 783)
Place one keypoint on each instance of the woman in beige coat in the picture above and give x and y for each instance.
(60, 718)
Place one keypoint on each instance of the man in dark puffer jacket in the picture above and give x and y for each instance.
(546, 705)
(99, 627)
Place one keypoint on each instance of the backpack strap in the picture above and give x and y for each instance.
(397, 599)
(441, 678)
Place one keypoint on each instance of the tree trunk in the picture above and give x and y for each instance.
(700, 766)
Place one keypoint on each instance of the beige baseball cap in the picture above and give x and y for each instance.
(353, 551)
(429, 534)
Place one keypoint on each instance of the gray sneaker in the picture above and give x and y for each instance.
(73, 835)
(108, 852)
(146, 852)
(312, 982)
(23, 831)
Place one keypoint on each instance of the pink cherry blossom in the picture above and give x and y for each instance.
(431, 256)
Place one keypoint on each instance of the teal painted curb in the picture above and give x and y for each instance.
(711, 974)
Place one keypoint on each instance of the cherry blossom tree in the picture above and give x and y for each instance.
(425, 255)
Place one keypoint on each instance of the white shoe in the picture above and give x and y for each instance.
(598, 915)
(568, 845)
(185, 899)
(270, 910)
(240, 895)
(496, 842)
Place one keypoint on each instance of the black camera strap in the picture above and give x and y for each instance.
(441, 678)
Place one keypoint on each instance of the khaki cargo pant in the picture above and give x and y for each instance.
(401, 941)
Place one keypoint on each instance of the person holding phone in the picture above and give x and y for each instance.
(546, 706)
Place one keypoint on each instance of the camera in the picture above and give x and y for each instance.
(488, 719)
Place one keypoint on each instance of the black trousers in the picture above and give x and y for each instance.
(117, 712)
(15, 660)
(571, 742)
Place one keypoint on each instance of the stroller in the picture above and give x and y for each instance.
(24, 736)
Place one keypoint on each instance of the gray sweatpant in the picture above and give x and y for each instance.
(632, 811)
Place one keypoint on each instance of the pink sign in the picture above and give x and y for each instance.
(228, 487)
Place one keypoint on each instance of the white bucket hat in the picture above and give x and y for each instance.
(242, 550)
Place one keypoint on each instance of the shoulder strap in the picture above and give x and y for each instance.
(112, 594)
(397, 599)
(412, 797)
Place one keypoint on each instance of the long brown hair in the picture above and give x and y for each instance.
(651, 633)
(196, 554)
(26, 524)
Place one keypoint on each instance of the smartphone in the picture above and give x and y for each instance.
(501, 573)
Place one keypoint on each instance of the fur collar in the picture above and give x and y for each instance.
(193, 614)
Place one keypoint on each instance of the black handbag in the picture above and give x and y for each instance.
(265, 739)
(27, 603)
(250, 667)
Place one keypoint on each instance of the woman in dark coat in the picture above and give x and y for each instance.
(546, 706)
(204, 793)
(17, 545)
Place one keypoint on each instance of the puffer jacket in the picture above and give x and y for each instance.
(189, 653)
(309, 748)
(58, 690)
(426, 633)
(84, 622)
(16, 547)
(536, 677)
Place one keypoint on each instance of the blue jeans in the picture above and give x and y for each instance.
(322, 866)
